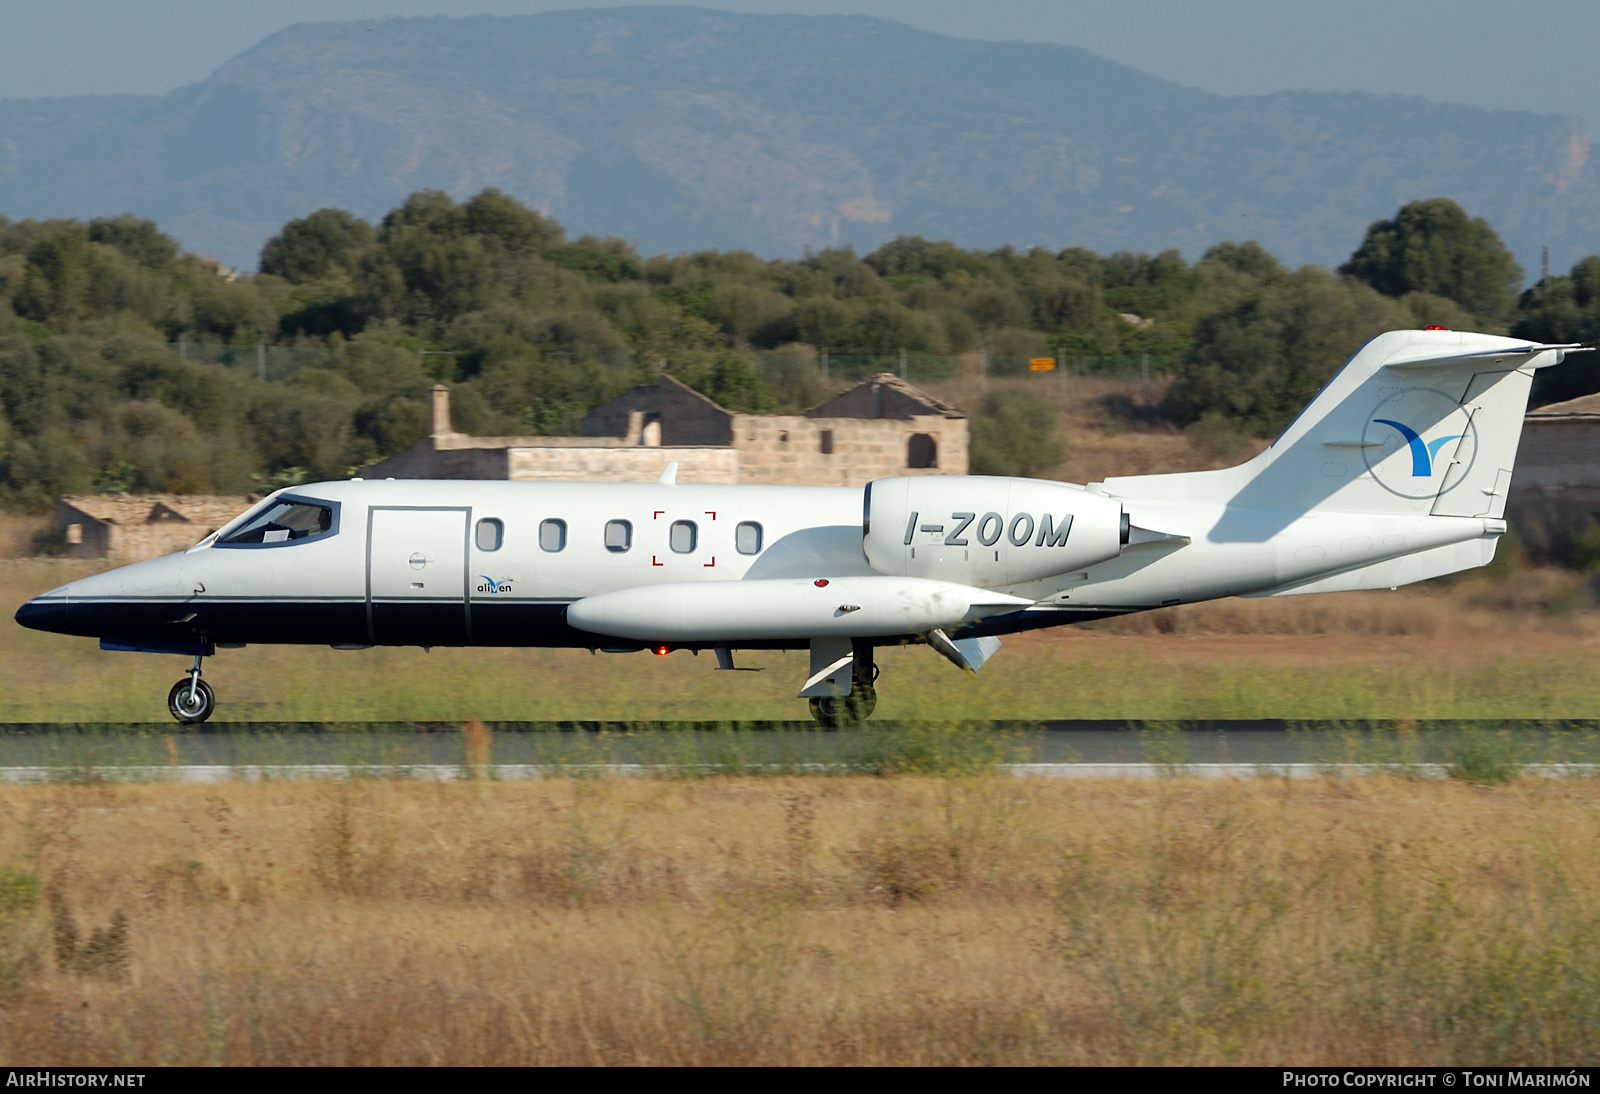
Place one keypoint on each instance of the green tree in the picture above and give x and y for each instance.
(1014, 433)
(1563, 309)
(907, 260)
(609, 259)
(140, 240)
(1150, 286)
(326, 243)
(1433, 246)
(1259, 361)
(537, 329)
(57, 275)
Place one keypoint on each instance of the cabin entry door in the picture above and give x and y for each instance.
(417, 576)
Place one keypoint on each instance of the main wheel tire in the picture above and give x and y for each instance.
(195, 711)
(837, 711)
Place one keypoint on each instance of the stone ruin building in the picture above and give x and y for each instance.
(1555, 484)
(125, 528)
(880, 428)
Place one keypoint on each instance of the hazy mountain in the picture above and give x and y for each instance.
(683, 128)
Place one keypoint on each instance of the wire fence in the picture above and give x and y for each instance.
(931, 368)
(279, 363)
(275, 363)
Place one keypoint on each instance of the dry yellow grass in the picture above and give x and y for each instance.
(18, 532)
(984, 920)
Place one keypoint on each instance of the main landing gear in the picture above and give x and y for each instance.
(840, 711)
(191, 701)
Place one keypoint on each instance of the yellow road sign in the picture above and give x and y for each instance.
(1042, 364)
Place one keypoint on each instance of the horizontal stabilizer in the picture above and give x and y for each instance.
(1509, 356)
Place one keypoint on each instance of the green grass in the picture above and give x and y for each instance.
(47, 678)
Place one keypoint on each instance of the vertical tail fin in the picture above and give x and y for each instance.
(1417, 422)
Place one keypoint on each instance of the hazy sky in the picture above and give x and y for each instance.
(1530, 55)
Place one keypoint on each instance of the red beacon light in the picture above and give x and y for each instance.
(661, 651)
(1434, 326)
(821, 583)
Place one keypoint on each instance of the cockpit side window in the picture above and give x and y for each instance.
(285, 520)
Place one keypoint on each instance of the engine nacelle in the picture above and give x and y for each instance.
(989, 532)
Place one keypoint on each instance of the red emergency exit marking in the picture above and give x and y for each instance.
(710, 514)
(710, 564)
(658, 514)
(653, 561)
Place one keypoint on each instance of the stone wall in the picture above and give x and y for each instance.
(429, 460)
(686, 417)
(881, 397)
(622, 464)
(876, 428)
(789, 448)
(1555, 485)
(125, 528)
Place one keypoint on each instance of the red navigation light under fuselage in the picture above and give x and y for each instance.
(661, 651)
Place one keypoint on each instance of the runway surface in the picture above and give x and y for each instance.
(165, 751)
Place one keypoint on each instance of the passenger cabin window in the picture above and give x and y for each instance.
(684, 536)
(283, 520)
(922, 451)
(619, 536)
(747, 538)
(552, 535)
(489, 535)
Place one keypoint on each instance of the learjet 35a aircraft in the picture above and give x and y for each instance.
(1396, 472)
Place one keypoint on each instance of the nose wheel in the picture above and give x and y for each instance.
(191, 701)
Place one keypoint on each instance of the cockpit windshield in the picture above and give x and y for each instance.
(283, 520)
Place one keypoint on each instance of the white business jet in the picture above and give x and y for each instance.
(1396, 472)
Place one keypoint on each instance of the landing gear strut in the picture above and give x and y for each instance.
(191, 701)
(838, 711)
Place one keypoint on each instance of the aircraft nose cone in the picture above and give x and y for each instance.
(45, 614)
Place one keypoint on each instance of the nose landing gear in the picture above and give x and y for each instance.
(191, 701)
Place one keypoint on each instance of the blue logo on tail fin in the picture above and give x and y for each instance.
(1422, 453)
